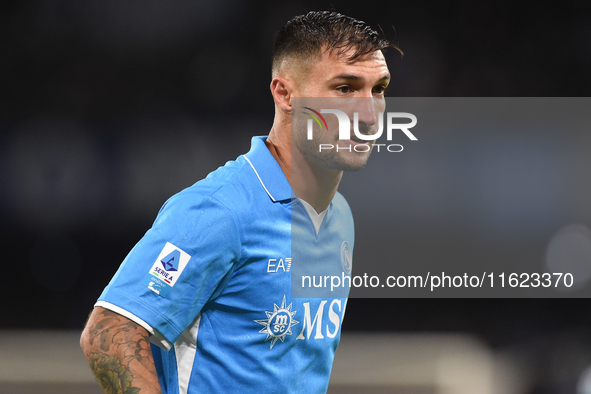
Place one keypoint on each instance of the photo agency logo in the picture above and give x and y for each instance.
(344, 124)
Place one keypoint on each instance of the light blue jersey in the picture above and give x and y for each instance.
(211, 280)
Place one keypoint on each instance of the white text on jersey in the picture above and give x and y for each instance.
(283, 264)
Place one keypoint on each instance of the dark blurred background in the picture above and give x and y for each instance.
(107, 108)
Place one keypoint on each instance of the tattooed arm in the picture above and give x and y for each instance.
(118, 351)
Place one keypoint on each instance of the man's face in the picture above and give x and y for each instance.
(349, 86)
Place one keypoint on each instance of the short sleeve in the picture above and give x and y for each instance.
(181, 263)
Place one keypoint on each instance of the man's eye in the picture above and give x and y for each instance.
(380, 89)
(344, 89)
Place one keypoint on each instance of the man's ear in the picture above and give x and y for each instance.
(281, 89)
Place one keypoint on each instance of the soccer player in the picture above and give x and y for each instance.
(202, 304)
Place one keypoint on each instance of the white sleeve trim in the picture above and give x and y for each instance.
(155, 337)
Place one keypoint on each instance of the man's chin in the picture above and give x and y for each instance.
(353, 161)
(353, 168)
(357, 158)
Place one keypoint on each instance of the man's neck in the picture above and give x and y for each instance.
(312, 183)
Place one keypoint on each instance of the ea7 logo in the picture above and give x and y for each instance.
(345, 124)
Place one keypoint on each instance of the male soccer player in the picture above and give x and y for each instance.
(202, 304)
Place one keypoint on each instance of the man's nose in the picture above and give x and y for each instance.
(367, 114)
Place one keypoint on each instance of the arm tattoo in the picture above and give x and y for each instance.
(118, 346)
(113, 376)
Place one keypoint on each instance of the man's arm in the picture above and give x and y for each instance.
(119, 354)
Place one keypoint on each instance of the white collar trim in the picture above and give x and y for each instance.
(317, 218)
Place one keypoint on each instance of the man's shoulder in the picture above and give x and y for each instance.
(240, 191)
(225, 185)
(220, 200)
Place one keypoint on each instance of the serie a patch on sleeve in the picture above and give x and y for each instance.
(166, 269)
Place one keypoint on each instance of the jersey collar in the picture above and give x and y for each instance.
(268, 170)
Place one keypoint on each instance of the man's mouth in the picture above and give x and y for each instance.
(356, 141)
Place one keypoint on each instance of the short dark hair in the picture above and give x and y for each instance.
(305, 35)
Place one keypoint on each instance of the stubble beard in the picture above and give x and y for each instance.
(343, 160)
